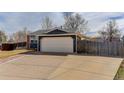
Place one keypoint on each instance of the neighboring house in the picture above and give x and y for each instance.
(115, 39)
(54, 40)
(99, 39)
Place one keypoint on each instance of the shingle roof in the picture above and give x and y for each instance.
(39, 32)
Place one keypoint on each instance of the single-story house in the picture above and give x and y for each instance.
(53, 40)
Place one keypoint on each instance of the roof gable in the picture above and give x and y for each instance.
(50, 31)
(56, 31)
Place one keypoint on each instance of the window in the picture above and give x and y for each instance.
(32, 37)
(34, 41)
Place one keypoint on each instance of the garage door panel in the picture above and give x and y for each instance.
(57, 44)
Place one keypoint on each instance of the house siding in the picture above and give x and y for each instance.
(32, 42)
(28, 39)
(53, 33)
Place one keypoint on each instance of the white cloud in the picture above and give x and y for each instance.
(12, 22)
(98, 19)
(15, 21)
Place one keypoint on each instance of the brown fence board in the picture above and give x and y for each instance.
(105, 48)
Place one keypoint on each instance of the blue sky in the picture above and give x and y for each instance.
(11, 22)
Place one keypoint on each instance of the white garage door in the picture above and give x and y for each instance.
(56, 44)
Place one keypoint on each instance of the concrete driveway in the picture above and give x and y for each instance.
(59, 67)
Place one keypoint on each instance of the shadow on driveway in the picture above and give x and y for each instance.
(46, 53)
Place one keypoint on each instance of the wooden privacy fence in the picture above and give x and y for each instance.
(12, 46)
(21, 45)
(101, 48)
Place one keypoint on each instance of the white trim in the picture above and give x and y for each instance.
(38, 40)
(55, 29)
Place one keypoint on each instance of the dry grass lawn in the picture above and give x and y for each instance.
(5, 54)
(120, 73)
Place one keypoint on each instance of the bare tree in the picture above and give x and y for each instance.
(3, 36)
(103, 33)
(11, 38)
(75, 23)
(111, 31)
(20, 36)
(47, 23)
